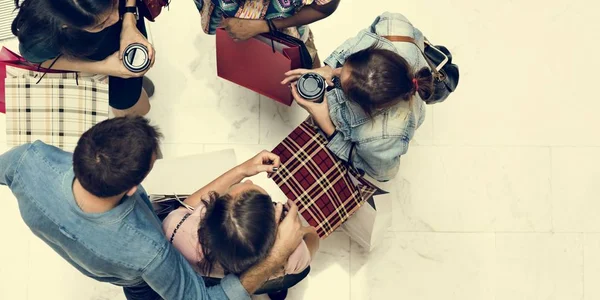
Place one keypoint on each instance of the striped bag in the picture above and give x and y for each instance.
(57, 109)
(326, 190)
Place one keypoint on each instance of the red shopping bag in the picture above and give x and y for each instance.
(259, 63)
(10, 58)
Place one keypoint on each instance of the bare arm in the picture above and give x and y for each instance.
(254, 278)
(77, 65)
(243, 29)
(307, 15)
(111, 65)
(87, 66)
(312, 241)
(289, 235)
(219, 185)
(263, 162)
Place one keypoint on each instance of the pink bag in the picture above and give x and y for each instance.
(9, 58)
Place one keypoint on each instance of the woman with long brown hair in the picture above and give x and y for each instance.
(378, 103)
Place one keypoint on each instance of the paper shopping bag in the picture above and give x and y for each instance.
(56, 110)
(326, 190)
(10, 58)
(259, 63)
(369, 224)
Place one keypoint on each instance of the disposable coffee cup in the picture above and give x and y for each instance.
(136, 58)
(311, 86)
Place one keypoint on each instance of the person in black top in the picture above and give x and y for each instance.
(87, 36)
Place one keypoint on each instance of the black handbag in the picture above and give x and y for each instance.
(439, 59)
(289, 40)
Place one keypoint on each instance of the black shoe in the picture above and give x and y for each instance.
(279, 295)
(148, 86)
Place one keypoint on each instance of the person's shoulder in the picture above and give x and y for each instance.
(393, 15)
(49, 152)
(175, 217)
(394, 24)
(39, 155)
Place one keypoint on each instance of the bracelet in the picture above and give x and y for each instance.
(133, 10)
(272, 27)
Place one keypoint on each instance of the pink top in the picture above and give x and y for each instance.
(186, 241)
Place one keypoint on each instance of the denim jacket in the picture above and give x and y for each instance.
(375, 146)
(124, 246)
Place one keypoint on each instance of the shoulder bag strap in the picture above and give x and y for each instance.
(407, 39)
(177, 227)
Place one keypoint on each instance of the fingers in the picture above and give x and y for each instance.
(153, 56)
(150, 51)
(121, 50)
(278, 211)
(294, 75)
(270, 158)
(301, 101)
(267, 162)
(290, 79)
(292, 208)
(296, 72)
(266, 168)
(329, 81)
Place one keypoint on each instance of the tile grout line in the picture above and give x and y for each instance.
(349, 268)
(495, 263)
(497, 232)
(28, 267)
(551, 194)
(433, 143)
(583, 266)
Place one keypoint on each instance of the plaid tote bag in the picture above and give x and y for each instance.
(326, 190)
(57, 109)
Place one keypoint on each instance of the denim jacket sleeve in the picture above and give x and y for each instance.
(171, 276)
(385, 24)
(339, 145)
(9, 162)
(379, 158)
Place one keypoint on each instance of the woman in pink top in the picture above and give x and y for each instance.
(229, 225)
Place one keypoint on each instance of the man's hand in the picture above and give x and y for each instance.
(243, 29)
(290, 234)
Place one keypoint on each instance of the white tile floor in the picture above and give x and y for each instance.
(497, 196)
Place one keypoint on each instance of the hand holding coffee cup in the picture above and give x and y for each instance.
(293, 75)
(311, 86)
(136, 58)
(318, 110)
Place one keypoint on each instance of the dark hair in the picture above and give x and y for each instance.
(115, 155)
(380, 78)
(236, 233)
(42, 22)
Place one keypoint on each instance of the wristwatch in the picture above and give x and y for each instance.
(133, 10)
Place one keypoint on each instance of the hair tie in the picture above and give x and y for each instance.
(416, 84)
